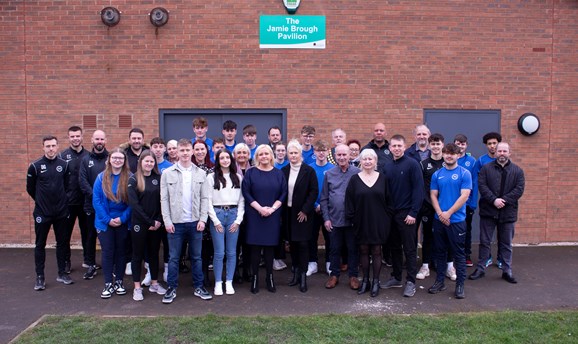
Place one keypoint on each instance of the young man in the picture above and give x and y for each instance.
(46, 182)
(250, 138)
(321, 166)
(467, 161)
(218, 144)
(274, 136)
(450, 189)
(73, 156)
(229, 132)
(419, 149)
(307, 136)
(184, 204)
(200, 128)
(501, 184)
(158, 148)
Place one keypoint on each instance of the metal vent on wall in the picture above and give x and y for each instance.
(89, 121)
(125, 121)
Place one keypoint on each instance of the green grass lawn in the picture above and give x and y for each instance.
(501, 327)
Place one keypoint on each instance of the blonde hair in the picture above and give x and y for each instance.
(259, 149)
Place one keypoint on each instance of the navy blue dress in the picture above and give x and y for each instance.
(265, 187)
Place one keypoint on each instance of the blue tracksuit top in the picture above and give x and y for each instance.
(105, 209)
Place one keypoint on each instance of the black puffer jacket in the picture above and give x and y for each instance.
(506, 182)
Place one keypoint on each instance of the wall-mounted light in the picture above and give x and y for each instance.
(110, 16)
(159, 16)
(291, 5)
(528, 124)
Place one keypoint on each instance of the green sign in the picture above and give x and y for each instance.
(292, 32)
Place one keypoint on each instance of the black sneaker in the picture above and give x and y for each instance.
(40, 284)
(437, 287)
(460, 294)
(203, 293)
(67, 267)
(119, 288)
(86, 266)
(64, 278)
(170, 295)
(108, 291)
(90, 273)
(392, 283)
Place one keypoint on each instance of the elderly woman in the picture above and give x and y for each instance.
(368, 207)
(264, 189)
(242, 156)
(172, 153)
(298, 221)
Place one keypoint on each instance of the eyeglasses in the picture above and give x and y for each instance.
(354, 149)
(118, 158)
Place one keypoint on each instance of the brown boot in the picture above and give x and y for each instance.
(332, 282)
(353, 283)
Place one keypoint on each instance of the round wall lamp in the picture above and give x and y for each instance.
(159, 16)
(110, 16)
(528, 124)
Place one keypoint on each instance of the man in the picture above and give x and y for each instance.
(491, 141)
(338, 137)
(406, 185)
(158, 148)
(46, 182)
(136, 144)
(467, 161)
(229, 132)
(450, 189)
(380, 145)
(184, 204)
(419, 150)
(321, 166)
(90, 167)
(73, 156)
(307, 136)
(501, 184)
(332, 202)
(250, 138)
(200, 128)
(274, 136)
(218, 144)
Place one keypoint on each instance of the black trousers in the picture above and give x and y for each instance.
(41, 228)
(76, 211)
(89, 240)
(402, 241)
(147, 241)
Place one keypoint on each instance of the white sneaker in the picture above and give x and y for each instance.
(166, 273)
(137, 294)
(157, 288)
(218, 288)
(147, 279)
(279, 264)
(451, 273)
(128, 270)
(422, 273)
(312, 268)
(229, 290)
(327, 265)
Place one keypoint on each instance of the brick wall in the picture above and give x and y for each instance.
(384, 61)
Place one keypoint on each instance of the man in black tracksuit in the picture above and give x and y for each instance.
(90, 166)
(73, 156)
(47, 183)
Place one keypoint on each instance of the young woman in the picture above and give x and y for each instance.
(280, 154)
(112, 214)
(144, 197)
(226, 209)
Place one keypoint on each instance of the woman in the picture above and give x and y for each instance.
(144, 198)
(112, 214)
(226, 210)
(368, 207)
(280, 154)
(298, 217)
(201, 156)
(242, 155)
(172, 151)
(354, 148)
(264, 189)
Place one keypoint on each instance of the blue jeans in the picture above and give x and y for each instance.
(225, 242)
(113, 245)
(185, 230)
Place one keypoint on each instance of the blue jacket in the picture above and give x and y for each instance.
(105, 209)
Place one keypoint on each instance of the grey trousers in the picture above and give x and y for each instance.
(505, 235)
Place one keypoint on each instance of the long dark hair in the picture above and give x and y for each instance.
(219, 178)
(207, 161)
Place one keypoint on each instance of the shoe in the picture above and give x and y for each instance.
(392, 283)
(202, 293)
(477, 274)
(508, 277)
(40, 283)
(469, 262)
(64, 279)
(119, 288)
(166, 273)
(157, 288)
(451, 273)
(90, 273)
(279, 265)
(422, 273)
(353, 283)
(137, 294)
(303, 282)
(107, 292)
(67, 267)
(147, 279)
(332, 282)
(312, 268)
(500, 264)
(128, 270)
(270, 284)
(327, 268)
(170, 295)
(86, 266)
(489, 261)
(229, 290)
(409, 290)
(255, 284)
(365, 286)
(218, 290)
(460, 294)
(374, 288)
(295, 278)
(437, 287)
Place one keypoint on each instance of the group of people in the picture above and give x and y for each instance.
(259, 201)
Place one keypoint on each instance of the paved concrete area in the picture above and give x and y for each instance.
(546, 275)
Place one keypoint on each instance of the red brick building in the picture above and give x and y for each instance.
(384, 61)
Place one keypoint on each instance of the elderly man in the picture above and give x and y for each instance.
(419, 150)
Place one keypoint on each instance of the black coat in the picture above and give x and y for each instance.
(495, 181)
(304, 195)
